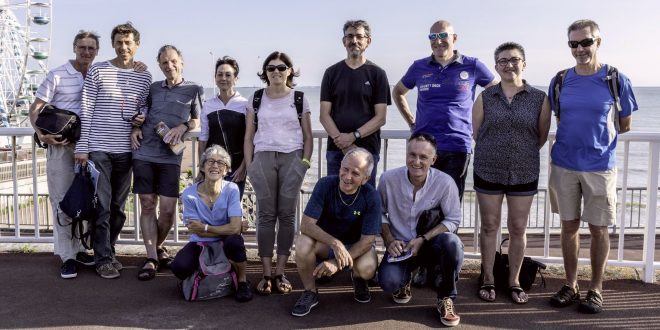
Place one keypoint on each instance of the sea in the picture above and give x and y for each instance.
(646, 119)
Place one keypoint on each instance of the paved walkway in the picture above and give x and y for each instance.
(33, 295)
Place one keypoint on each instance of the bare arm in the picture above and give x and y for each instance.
(544, 122)
(362, 246)
(50, 139)
(343, 258)
(308, 139)
(477, 116)
(493, 82)
(248, 145)
(399, 96)
(326, 120)
(232, 228)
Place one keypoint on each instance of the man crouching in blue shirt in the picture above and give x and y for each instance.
(339, 228)
(407, 192)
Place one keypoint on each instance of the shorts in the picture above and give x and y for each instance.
(598, 189)
(491, 188)
(156, 178)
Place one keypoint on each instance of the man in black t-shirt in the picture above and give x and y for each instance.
(355, 94)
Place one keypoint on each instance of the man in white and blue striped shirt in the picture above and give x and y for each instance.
(112, 94)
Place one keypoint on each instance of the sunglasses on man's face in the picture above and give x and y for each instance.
(584, 42)
(441, 35)
(280, 68)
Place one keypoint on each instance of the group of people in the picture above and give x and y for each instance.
(267, 137)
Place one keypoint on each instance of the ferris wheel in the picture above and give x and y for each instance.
(25, 34)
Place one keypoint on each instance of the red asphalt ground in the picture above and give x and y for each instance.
(33, 295)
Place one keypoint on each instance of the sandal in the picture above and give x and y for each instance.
(490, 289)
(164, 257)
(282, 285)
(146, 274)
(264, 286)
(518, 290)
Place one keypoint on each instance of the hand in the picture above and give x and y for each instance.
(138, 120)
(414, 245)
(344, 258)
(136, 136)
(195, 226)
(412, 127)
(347, 149)
(239, 174)
(52, 139)
(82, 158)
(326, 268)
(139, 66)
(396, 247)
(175, 135)
(344, 140)
(245, 225)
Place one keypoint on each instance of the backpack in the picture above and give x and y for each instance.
(256, 103)
(612, 79)
(52, 120)
(80, 203)
(214, 278)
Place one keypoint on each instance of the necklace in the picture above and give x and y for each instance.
(354, 198)
(208, 197)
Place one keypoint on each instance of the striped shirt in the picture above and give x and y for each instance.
(62, 88)
(110, 98)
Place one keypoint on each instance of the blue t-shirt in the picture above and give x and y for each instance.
(586, 135)
(226, 206)
(345, 223)
(444, 98)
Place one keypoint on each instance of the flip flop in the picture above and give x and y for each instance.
(264, 287)
(490, 288)
(164, 257)
(282, 285)
(518, 290)
(146, 274)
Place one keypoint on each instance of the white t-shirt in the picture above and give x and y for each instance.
(278, 126)
(62, 88)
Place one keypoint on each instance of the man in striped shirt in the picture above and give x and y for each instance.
(112, 94)
(62, 88)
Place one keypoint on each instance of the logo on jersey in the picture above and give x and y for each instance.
(464, 75)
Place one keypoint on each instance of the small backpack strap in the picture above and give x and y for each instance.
(256, 103)
(613, 86)
(298, 101)
(558, 83)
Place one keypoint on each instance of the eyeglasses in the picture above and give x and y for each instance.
(280, 68)
(86, 48)
(441, 35)
(358, 36)
(515, 61)
(584, 42)
(132, 108)
(218, 162)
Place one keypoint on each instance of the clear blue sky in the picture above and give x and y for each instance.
(310, 31)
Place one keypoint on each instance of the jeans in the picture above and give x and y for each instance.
(334, 158)
(444, 254)
(112, 190)
(455, 164)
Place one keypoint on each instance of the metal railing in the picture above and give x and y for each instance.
(637, 209)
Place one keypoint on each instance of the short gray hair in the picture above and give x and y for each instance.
(356, 24)
(165, 48)
(584, 23)
(363, 154)
(215, 150)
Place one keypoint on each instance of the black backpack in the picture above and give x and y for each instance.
(256, 103)
(80, 203)
(52, 120)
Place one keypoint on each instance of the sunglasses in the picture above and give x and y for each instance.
(503, 62)
(441, 35)
(584, 42)
(280, 68)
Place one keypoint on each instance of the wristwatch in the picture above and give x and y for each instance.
(357, 134)
(423, 238)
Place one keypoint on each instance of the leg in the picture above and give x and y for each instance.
(166, 217)
(234, 247)
(186, 261)
(490, 209)
(308, 251)
(121, 183)
(517, 224)
(167, 188)
(148, 224)
(455, 164)
(60, 176)
(600, 248)
(570, 248)
(447, 250)
(102, 247)
(263, 175)
(365, 265)
(333, 160)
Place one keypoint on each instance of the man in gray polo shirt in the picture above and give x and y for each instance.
(177, 103)
(62, 88)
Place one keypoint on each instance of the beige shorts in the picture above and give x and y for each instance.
(598, 189)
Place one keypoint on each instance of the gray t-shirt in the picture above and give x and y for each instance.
(173, 106)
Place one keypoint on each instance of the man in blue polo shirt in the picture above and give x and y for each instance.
(583, 169)
(446, 83)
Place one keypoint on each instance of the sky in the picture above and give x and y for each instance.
(310, 32)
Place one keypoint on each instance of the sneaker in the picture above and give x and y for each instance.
(115, 263)
(566, 296)
(107, 271)
(403, 295)
(243, 292)
(592, 304)
(360, 290)
(84, 259)
(308, 300)
(448, 315)
(69, 269)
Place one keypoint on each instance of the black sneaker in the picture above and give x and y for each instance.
(565, 297)
(308, 300)
(592, 304)
(69, 269)
(243, 292)
(360, 290)
(84, 259)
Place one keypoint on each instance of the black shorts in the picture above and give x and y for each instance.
(491, 188)
(156, 178)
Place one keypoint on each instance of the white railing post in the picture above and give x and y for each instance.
(624, 191)
(14, 179)
(35, 191)
(651, 208)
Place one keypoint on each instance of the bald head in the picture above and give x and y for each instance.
(442, 26)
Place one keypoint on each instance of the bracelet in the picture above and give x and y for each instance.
(307, 162)
(423, 238)
(206, 228)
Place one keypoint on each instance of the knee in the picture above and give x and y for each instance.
(570, 226)
(598, 232)
(517, 230)
(304, 246)
(234, 247)
(448, 244)
(147, 204)
(489, 225)
(365, 267)
(388, 280)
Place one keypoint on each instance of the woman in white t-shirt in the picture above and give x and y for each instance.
(278, 146)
